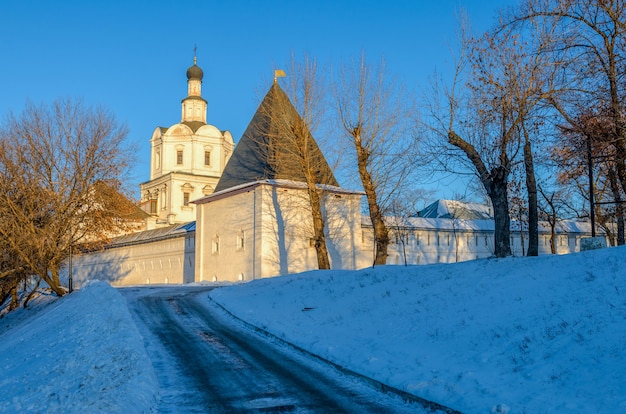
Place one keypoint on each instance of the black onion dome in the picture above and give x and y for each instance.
(194, 72)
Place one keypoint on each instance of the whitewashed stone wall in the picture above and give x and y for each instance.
(264, 229)
(164, 261)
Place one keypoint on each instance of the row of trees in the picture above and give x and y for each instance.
(367, 116)
(534, 104)
(541, 92)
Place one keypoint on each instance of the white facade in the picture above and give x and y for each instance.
(264, 229)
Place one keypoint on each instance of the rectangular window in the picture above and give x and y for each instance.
(153, 206)
(185, 198)
(179, 157)
(417, 239)
(207, 158)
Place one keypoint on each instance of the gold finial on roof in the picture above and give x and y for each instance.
(279, 73)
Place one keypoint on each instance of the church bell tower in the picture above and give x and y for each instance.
(194, 105)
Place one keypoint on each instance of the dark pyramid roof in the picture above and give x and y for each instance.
(269, 149)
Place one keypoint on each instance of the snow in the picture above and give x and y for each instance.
(457, 209)
(80, 353)
(516, 335)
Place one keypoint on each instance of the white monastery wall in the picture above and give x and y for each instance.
(155, 262)
(266, 230)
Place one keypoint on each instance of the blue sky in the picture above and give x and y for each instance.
(131, 56)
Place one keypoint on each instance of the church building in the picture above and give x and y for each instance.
(186, 160)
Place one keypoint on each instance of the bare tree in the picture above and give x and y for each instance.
(292, 117)
(59, 165)
(555, 207)
(373, 113)
(504, 87)
(588, 40)
(588, 162)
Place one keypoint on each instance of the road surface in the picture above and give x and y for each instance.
(206, 362)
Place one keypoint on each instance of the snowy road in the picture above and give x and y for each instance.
(206, 362)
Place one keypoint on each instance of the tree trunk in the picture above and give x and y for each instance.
(495, 183)
(54, 281)
(381, 232)
(553, 235)
(15, 299)
(497, 191)
(381, 239)
(319, 237)
(619, 209)
(533, 212)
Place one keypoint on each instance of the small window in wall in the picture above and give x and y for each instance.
(241, 241)
(417, 239)
(153, 206)
(215, 244)
(185, 198)
(179, 157)
(157, 160)
(207, 158)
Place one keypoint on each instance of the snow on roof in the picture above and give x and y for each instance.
(147, 236)
(447, 224)
(271, 182)
(457, 210)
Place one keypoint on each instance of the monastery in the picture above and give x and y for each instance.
(220, 212)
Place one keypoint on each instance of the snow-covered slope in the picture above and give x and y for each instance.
(78, 354)
(528, 335)
(523, 335)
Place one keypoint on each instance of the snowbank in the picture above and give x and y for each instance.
(529, 335)
(81, 353)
